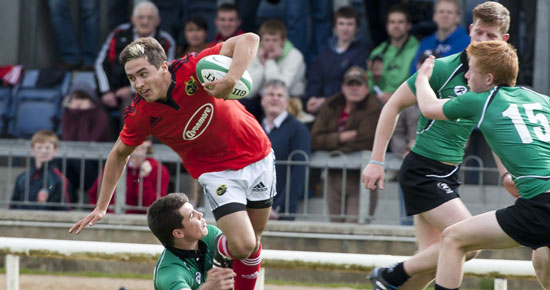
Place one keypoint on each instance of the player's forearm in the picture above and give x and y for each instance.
(384, 131)
(246, 48)
(425, 96)
(114, 167)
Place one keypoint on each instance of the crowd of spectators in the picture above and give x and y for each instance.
(316, 87)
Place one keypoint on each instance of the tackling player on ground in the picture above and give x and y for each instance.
(190, 247)
(220, 144)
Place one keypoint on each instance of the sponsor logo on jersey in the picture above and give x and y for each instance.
(445, 187)
(460, 90)
(198, 123)
(191, 86)
(221, 189)
(250, 276)
(153, 121)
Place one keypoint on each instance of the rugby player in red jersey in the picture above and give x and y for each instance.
(219, 142)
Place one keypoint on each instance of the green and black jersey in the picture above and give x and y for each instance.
(444, 140)
(515, 123)
(177, 269)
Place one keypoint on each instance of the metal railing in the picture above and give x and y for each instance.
(15, 158)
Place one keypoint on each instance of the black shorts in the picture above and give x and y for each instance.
(527, 221)
(427, 183)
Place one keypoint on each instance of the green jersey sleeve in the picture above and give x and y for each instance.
(466, 106)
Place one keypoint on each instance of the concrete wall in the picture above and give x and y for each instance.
(279, 235)
(300, 236)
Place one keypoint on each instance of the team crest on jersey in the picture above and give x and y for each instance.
(191, 86)
(198, 123)
(198, 278)
(460, 90)
(221, 189)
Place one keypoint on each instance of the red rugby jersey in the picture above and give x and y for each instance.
(209, 134)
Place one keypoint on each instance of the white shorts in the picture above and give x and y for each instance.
(229, 191)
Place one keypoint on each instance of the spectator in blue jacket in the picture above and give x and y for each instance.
(450, 37)
(287, 135)
(344, 51)
(44, 187)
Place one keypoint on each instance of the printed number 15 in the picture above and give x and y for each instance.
(513, 113)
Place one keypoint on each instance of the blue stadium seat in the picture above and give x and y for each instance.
(5, 102)
(37, 105)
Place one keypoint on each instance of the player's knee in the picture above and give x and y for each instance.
(541, 259)
(243, 248)
(451, 238)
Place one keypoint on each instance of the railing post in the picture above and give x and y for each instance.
(120, 200)
(12, 272)
(500, 284)
(261, 280)
(364, 194)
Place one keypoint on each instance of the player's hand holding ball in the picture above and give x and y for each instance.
(212, 70)
(221, 88)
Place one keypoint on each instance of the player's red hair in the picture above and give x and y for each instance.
(498, 58)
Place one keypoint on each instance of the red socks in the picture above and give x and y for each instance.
(223, 248)
(247, 271)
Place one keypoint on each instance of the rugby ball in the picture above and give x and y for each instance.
(214, 67)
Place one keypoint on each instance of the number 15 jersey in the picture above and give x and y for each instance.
(515, 123)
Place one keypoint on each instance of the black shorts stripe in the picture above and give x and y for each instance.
(259, 204)
(228, 208)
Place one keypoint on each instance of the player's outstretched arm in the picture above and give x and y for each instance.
(116, 162)
(430, 106)
(373, 174)
(242, 49)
